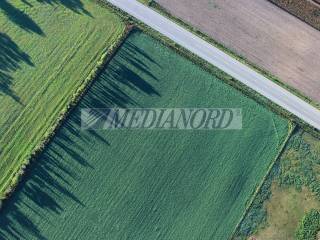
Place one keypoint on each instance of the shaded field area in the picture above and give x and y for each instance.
(262, 33)
(47, 50)
(124, 184)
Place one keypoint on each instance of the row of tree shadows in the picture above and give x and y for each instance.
(47, 179)
(11, 55)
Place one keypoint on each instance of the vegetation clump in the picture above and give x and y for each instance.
(309, 226)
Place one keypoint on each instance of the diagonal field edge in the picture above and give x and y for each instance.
(218, 58)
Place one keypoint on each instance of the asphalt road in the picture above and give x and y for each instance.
(226, 63)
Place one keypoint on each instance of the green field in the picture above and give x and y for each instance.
(147, 184)
(47, 50)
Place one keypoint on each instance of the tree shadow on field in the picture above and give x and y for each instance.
(19, 18)
(11, 57)
(74, 5)
(51, 182)
(24, 21)
(126, 73)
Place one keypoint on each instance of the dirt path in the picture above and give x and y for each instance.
(261, 32)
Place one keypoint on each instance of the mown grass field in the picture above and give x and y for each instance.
(147, 184)
(47, 50)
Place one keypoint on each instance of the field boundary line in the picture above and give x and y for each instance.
(12, 141)
(291, 129)
(107, 54)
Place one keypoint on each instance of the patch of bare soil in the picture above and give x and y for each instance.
(262, 33)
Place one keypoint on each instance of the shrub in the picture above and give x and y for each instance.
(309, 226)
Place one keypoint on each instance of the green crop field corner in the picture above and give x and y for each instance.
(289, 193)
(47, 51)
(144, 185)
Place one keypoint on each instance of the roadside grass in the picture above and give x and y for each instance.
(214, 70)
(146, 2)
(157, 7)
(48, 50)
(147, 184)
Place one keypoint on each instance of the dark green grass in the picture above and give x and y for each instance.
(147, 184)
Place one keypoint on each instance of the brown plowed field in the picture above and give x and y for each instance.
(261, 32)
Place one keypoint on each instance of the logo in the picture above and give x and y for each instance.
(161, 118)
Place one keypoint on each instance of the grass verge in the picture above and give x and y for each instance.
(233, 54)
